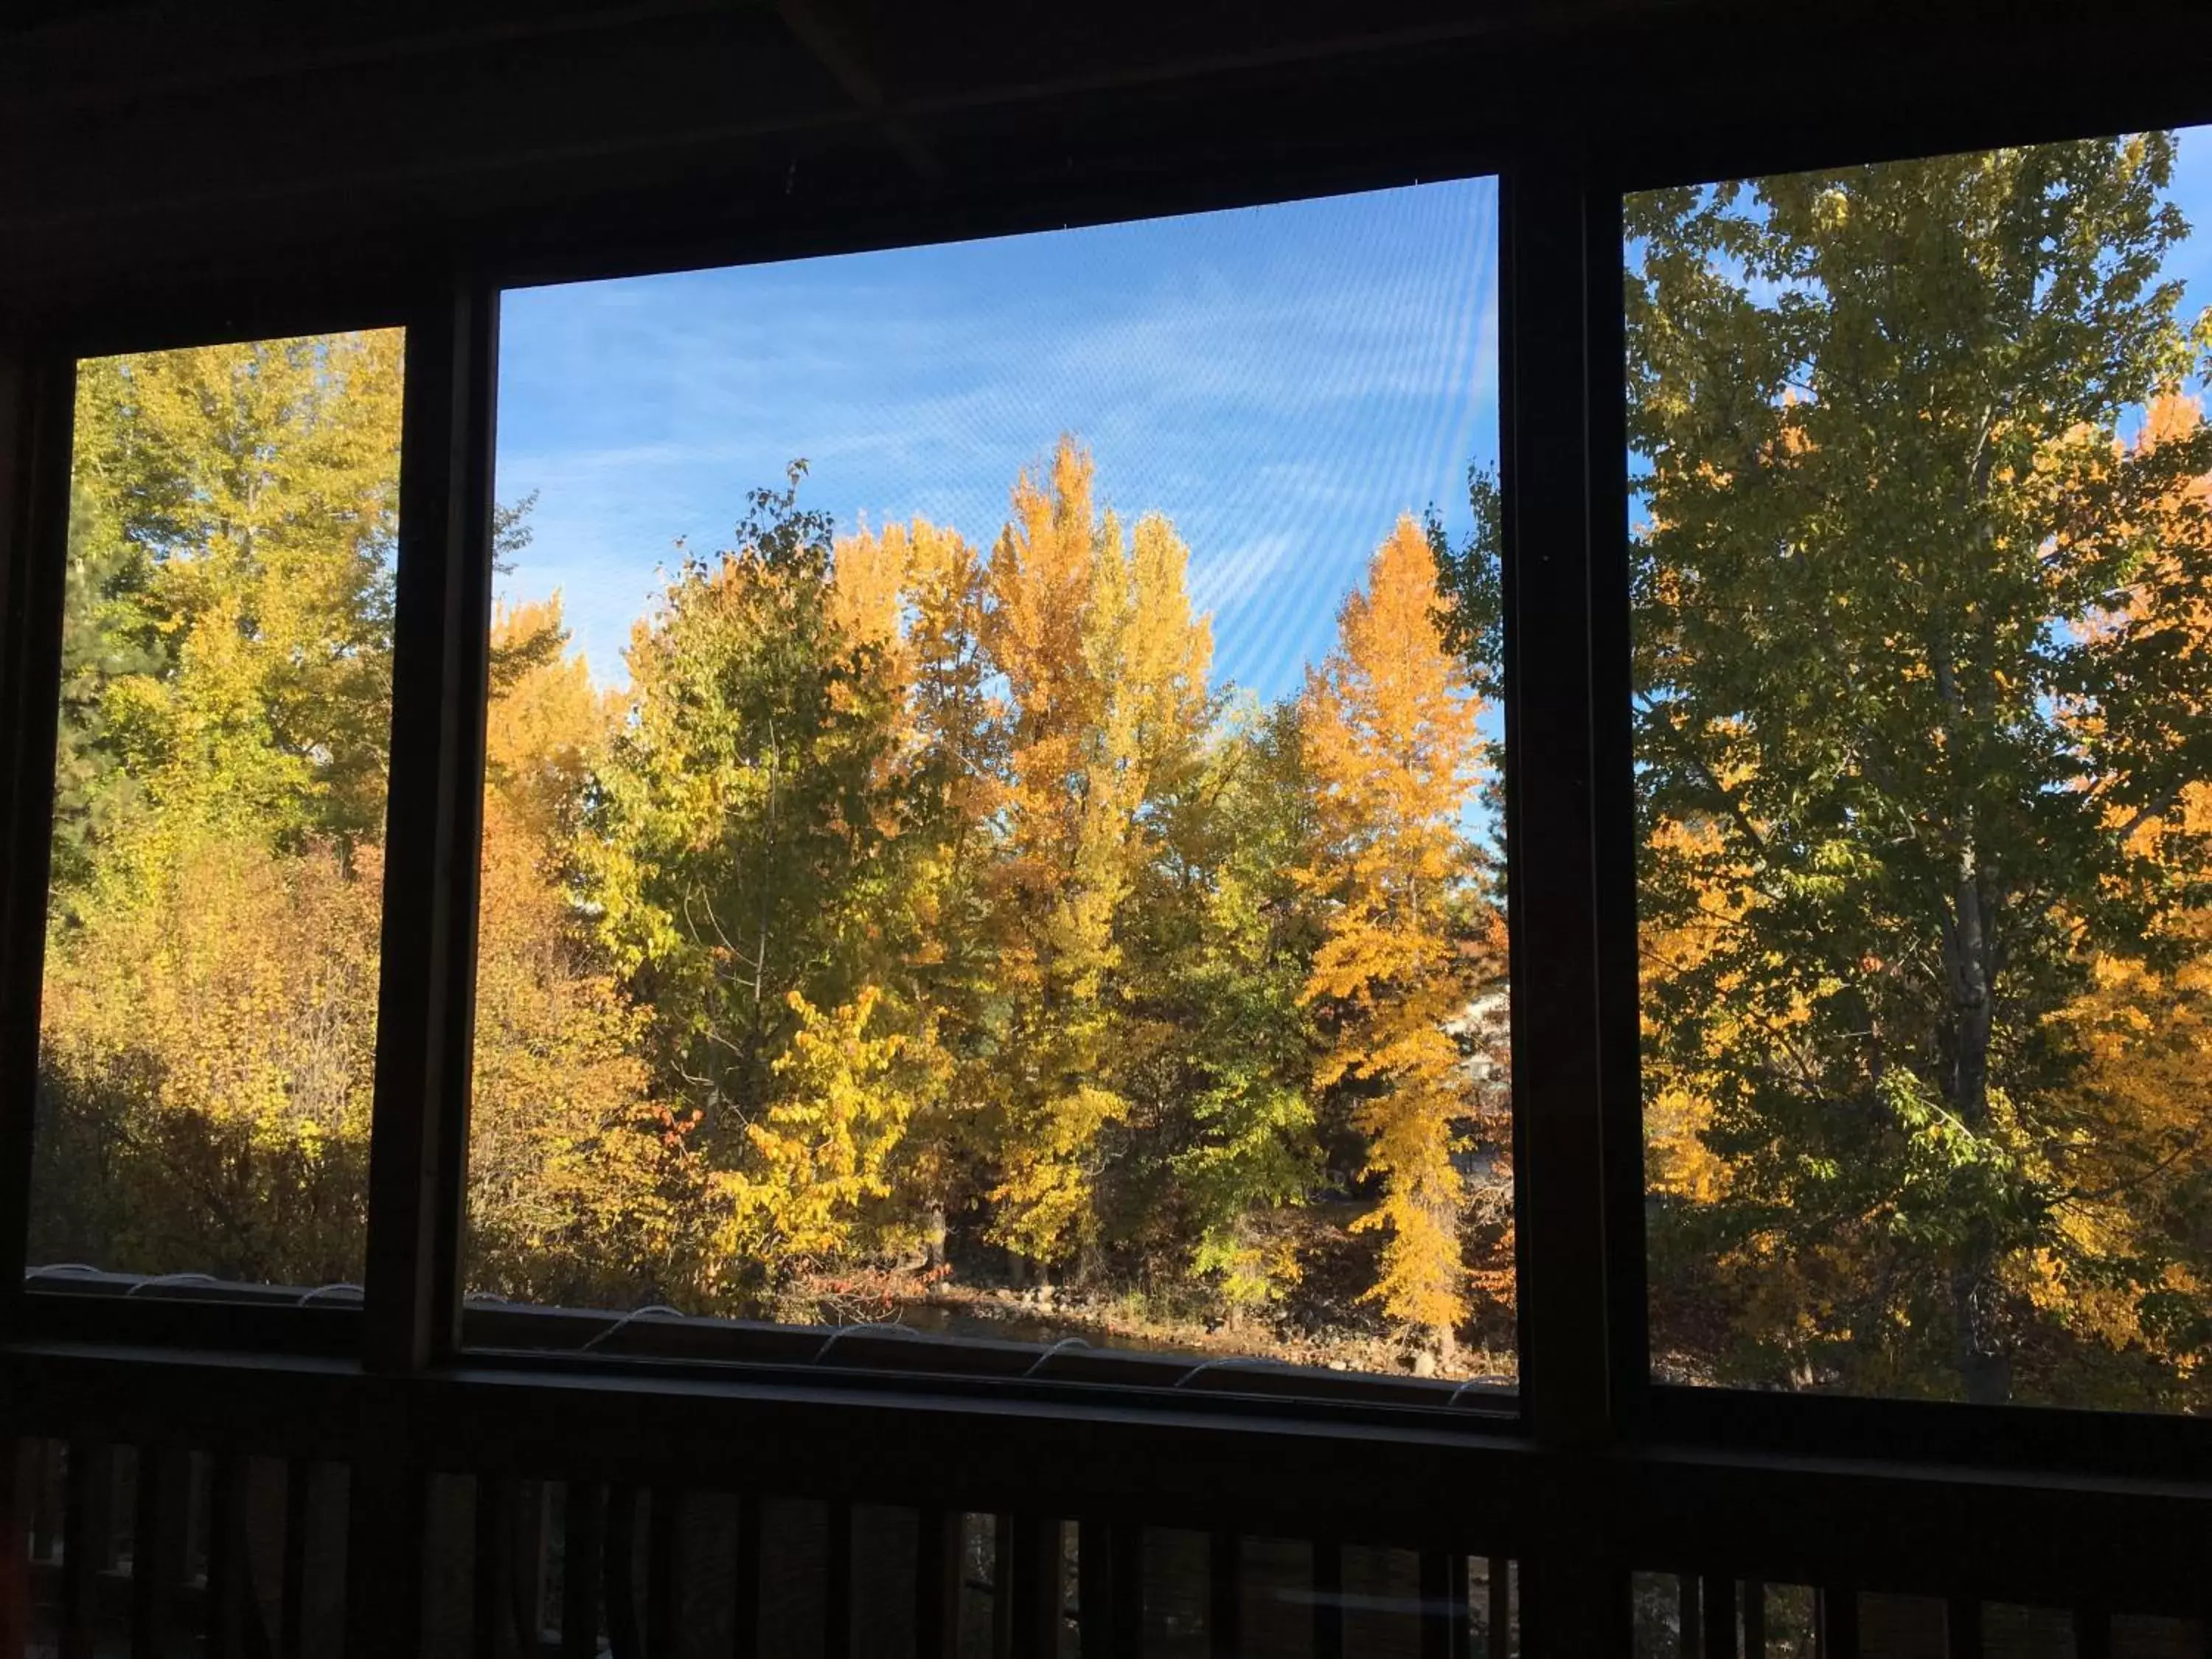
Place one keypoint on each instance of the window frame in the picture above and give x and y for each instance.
(412, 1316)
(1578, 1132)
(2140, 1444)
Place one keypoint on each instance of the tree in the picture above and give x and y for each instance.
(547, 728)
(1106, 668)
(580, 1189)
(2127, 1277)
(1391, 741)
(823, 1151)
(918, 595)
(208, 1022)
(239, 503)
(110, 633)
(744, 848)
(1889, 716)
(207, 1054)
(1218, 1053)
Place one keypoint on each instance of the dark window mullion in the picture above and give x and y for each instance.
(440, 649)
(440, 641)
(1613, 749)
(1577, 1130)
(37, 396)
(1577, 1120)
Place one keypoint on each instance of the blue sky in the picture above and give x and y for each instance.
(2192, 190)
(1282, 382)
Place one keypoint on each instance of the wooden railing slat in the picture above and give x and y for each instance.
(1225, 1587)
(1444, 1633)
(745, 1574)
(493, 1590)
(1717, 1593)
(157, 1540)
(1327, 1599)
(664, 1573)
(837, 1581)
(1025, 1603)
(229, 1603)
(1837, 1622)
(583, 1539)
(88, 1545)
(1962, 1626)
(618, 1579)
(937, 1535)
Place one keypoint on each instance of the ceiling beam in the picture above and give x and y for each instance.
(812, 26)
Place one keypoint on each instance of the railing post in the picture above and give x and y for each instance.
(1327, 1599)
(937, 1580)
(1225, 1594)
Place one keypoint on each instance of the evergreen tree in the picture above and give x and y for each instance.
(1219, 1053)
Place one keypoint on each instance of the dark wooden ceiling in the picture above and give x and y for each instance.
(145, 146)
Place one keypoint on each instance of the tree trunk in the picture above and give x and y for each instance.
(1979, 1349)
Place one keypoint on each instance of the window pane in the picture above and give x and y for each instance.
(1924, 713)
(208, 1026)
(991, 818)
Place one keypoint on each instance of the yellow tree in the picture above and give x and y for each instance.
(914, 598)
(210, 1000)
(823, 1151)
(1391, 743)
(2128, 1270)
(261, 482)
(547, 724)
(208, 1041)
(869, 576)
(1106, 669)
(579, 1186)
(753, 855)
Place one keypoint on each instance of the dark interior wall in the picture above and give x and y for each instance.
(244, 148)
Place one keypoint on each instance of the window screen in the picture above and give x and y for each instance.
(1924, 711)
(992, 816)
(208, 1025)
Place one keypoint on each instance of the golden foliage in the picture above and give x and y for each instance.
(1107, 670)
(209, 1038)
(1391, 740)
(823, 1149)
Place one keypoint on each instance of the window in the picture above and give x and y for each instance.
(993, 800)
(207, 1027)
(1032, 872)
(1922, 738)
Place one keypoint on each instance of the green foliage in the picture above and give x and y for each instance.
(1219, 1052)
(110, 634)
(238, 506)
(209, 1010)
(1899, 718)
(1471, 609)
(743, 848)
